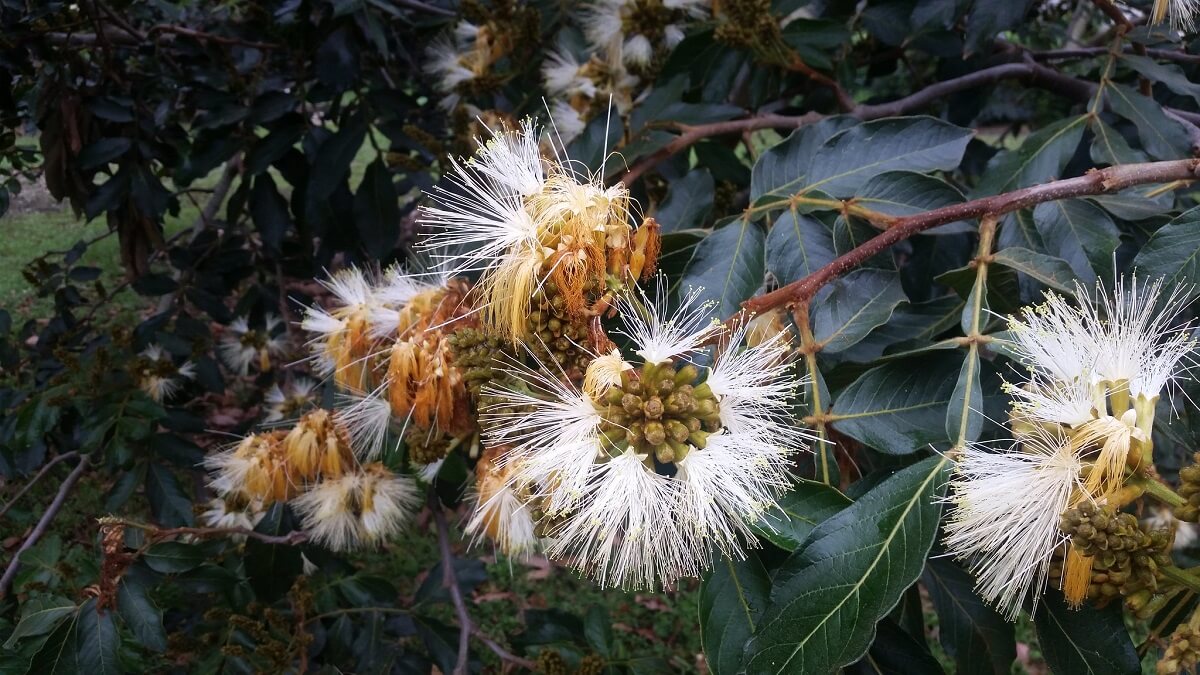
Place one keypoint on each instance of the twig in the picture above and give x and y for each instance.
(293, 538)
(43, 524)
(1124, 25)
(1099, 181)
(1039, 75)
(503, 653)
(210, 37)
(450, 582)
(41, 472)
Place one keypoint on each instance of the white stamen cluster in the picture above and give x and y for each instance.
(614, 513)
(1095, 373)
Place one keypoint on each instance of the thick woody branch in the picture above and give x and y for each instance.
(43, 524)
(1095, 182)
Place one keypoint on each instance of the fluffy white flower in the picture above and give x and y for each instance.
(1041, 400)
(562, 74)
(507, 520)
(242, 346)
(661, 334)
(483, 211)
(566, 122)
(1129, 338)
(158, 375)
(357, 508)
(615, 516)
(1005, 521)
(220, 512)
(1182, 13)
(623, 533)
(288, 401)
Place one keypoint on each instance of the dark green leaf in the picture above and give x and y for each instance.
(103, 151)
(1162, 136)
(1051, 271)
(598, 630)
(1110, 147)
(333, 158)
(171, 557)
(1168, 74)
(59, 655)
(796, 513)
(273, 568)
(729, 266)
(1173, 252)
(732, 599)
(797, 246)
(688, 202)
(783, 169)
(904, 193)
(271, 148)
(964, 414)
(377, 210)
(974, 634)
(1041, 158)
(899, 407)
(139, 612)
(849, 574)
(895, 652)
(848, 160)
(1085, 641)
(171, 505)
(40, 615)
(98, 640)
(849, 308)
(988, 19)
(269, 210)
(1080, 233)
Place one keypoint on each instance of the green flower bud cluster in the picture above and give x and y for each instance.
(592, 664)
(550, 662)
(555, 335)
(476, 354)
(750, 24)
(1182, 653)
(424, 447)
(1126, 557)
(659, 410)
(1189, 489)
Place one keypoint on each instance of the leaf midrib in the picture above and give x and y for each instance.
(917, 495)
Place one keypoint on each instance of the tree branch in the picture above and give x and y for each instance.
(43, 524)
(450, 583)
(1095, 182)
(41, 472)
(1039, 75)
(293, 538)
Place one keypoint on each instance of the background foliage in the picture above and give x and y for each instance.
(231, 152)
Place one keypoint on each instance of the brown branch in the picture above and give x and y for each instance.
(210, 37)
(40, 474)
(844, 99)
(1089, 52)
(155, 533)
(1114, 13)
(1095, 182)
(450, 583)
(503, 653)
(1039, 75)
(43, 524)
